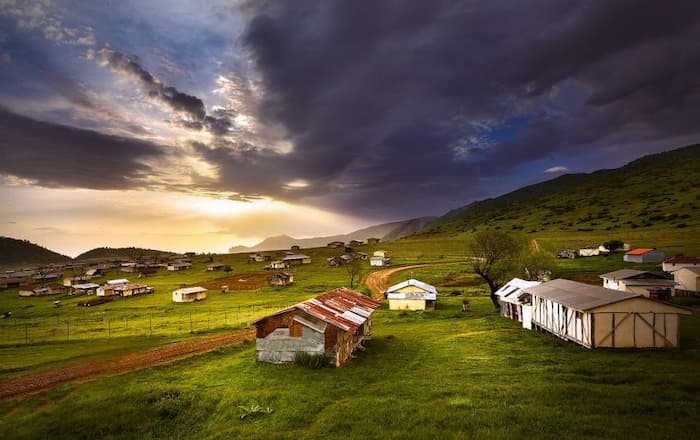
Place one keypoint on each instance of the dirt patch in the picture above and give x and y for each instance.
(378, 281)
(241, 281)
(32, 383)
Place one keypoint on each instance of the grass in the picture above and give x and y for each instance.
(443, 373)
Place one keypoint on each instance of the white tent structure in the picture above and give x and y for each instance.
(515, 302)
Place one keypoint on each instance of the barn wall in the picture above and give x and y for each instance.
(687, 280)
(636, 330)
(406, 304)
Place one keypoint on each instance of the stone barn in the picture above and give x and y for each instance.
(334, 324)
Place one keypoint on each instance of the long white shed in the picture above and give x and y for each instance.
(596, 317)
(515, 303)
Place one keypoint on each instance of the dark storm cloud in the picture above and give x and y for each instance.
(55, 155)
(384, 100)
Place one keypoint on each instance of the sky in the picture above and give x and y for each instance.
(186, 125)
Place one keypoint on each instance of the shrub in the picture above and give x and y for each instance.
(308, 360)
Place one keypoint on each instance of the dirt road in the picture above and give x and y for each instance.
(119, 365)
(378, 281)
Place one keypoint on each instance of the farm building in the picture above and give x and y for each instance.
(47, 276)
(54, 289)
(596, 317)
(281, 279)
(688, 279)
(675, 263)
(334, 324)
(411, 295)
(296, 259)
(76, 280)
(180, 265)
(335, 244)
(95, 272)
(123, 290)
(11, 282)
(215, 266)
(277, 264)
(644, 255)
(589, 251)
(295, 247)
(515, 303)
(379, 258)
(257, 257)
(356, 243)
(373, 240)
(189, 294)
(84, 289)
(637, 281)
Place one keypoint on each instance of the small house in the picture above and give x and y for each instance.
(335, 244)
(334, 324)
(189, 294)
(382, 254)
(644, 255)
(256, 257)
(675, 263)
(281, 279)
(108, 289)
(637, 281)
(379, 258)
(334, 261)
(688, 279)
(178, 265)
(46, 290)
(215, 266)
(95, 272)
(84, 289)
(515, 302)
(295, 247)
(373, 240)
(411, 295)
(76, 280)
(354, 243)
(596, 317)
(125, 290)
(297, 259)
(277, 264)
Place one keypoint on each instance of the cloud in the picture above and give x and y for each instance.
(556, 169)
(54, 155)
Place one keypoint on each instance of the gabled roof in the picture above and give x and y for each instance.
(296, 257)
(623, 274)
(579, 296)
(412, 282)
(513, 289)
(683, 260)
(342, 308)
(695, 270)
(640, 251)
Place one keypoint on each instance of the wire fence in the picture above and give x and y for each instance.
(16, 331)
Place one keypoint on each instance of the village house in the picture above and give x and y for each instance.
(125, 290)
(84, 289)
(180, 265)
(12, 282)
(596, 317)
(372, 240)
(257, 257)
(277, 264)
(335, 244)
(95, 272)
(45, 290)
(637, 281)
(76, 280)
(355, 243)
(297, 259)
(380, 258)
(334, 324)
(295, 247)
(108, 288)
(281, 279)
(411, 295)
(675, 263)
(688, 279)
(189, 294)
(515, 303)
(215, 266)
(644, 255)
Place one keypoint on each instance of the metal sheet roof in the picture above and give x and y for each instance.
(623, 274)
(513, 289)
(415, 283)
(188, 290)
(640, 251)
(578, 296)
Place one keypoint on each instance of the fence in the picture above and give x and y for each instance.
(15, 331)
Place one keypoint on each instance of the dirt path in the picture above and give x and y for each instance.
(378, 281)
(119, 365)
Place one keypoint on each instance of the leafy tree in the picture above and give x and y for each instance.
(537, 265)
(354, 270)
(495, 257)
(613, 245)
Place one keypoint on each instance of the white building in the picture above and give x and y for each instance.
(675, 263)
(688, 279)
(179, 266)
(637, 281)
(515, 303)
(189, 294)
(411, 295)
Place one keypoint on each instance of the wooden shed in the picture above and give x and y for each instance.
(515, 303)
(333, 324)
(281, 279)
(637, 281)
(411, 295)
(596, 317)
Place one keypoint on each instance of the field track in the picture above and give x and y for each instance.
(35, 382)
(378, 281)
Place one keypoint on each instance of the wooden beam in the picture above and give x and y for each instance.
(656, 331)
(612, 332)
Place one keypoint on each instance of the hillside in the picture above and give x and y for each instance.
(386, 232)
(15, 252)
(658, 191)
(126, 252)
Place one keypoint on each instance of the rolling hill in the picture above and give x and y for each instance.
(102, 253)
(658, 191)
(15, 252)
(386, 232)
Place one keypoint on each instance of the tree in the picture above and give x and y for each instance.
(613, 245)
(354, 270)
(227, 269)
(495, 256)
(537, 265)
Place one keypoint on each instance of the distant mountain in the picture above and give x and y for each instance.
(15, 252)
(104, 253)
(659, 190)
(385, 232)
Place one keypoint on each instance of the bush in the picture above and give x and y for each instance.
(313, 361)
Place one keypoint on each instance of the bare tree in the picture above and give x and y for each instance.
(495, 256)
(354, 270)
